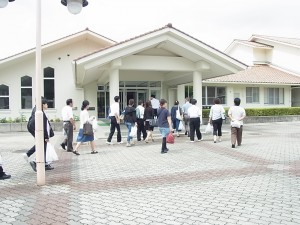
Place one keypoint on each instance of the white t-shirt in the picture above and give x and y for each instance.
(155, 103)
(236, 113)
(140, 112)
(216, 112)
(67, 113)
(114, 109)
(84, 116)
(194, 112)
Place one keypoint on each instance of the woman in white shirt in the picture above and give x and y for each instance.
(84, 117)
(216, 116)
(194, 114)
(236, 114)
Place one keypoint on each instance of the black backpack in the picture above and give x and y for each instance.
(31, 125)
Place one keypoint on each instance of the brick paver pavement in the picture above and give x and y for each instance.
(195, 183)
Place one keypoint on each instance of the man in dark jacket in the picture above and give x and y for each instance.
(46, 136)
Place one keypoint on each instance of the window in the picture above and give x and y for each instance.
(49, 91)
(252, 94)
(26, 92)
(210, 93)
(4, 97)
(274, 96)
(188, 91)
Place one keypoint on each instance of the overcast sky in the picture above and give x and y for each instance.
(216, 22)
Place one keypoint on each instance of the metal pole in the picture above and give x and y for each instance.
(39, 133)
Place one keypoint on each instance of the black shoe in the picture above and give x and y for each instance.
(185, 133)
(232, 146)
(49, 167)
(166, 150)
(163, 152)
(63, 145)
(5, 176)
(76, 153)
(69, 150)
(239, 144)
(33, 165)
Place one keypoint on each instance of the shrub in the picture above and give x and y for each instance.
(264, 111)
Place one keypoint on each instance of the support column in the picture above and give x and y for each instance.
(197, 89)
(113, 85)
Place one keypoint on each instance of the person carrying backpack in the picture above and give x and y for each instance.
(48, 133)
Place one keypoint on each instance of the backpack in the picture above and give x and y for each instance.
(31, 125)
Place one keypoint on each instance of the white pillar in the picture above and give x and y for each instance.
(39, 128)
(197, 89)
(181, 93)
(113, 85)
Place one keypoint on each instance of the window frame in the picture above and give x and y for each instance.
(5, 96)
(252, 95)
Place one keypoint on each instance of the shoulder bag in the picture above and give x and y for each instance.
(88, 129)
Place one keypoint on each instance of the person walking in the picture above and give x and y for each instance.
(140, 111)
(68, 125)
(186, 118)
(164, 124)
(148, 115)
(115, 121)
(48, 133)
(155, 104)
(194, 114)
(85, 118)
(175, 120)
(236, 114)
(216, 116)
(3, 175)
(130, 121)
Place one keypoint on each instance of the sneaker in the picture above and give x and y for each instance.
(33, 165)
(25, 156)
(192, 141)
(200, 139)
(109, 143)
(132, 143)
(128, 145)
(119, 142)
(5, 176)
(232, 146)
(63, 146)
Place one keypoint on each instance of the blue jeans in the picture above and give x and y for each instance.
(129, 126)
(176, 124)
(164, 131)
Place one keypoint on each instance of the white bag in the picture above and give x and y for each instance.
(51, 153)
(236, 124)
(133, 131)
(208, 129)
(95, 125)
(180, 126)
(178, 116)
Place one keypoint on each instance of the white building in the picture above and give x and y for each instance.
(166, 62)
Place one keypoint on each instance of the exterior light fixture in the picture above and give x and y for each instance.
(74, 6)
(4, 3)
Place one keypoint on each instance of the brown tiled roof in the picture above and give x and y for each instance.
(290, 41)
(259, 74)
(254, 44)
(169, 25)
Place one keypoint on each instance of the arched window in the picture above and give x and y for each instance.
(4, 97)
(49, 88)
(26, 92)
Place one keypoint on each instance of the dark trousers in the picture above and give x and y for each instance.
(113, 126)
(68, 127)
(236, 135)
(195, 126)
(141, 129)
(1, 171)
(32, 150)
(217, 125)
(155, 112)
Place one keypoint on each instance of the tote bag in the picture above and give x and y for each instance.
(88, 129)
(153, 122)
(170, 138)
(51, 153)
(178, 116)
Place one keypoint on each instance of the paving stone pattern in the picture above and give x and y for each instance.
(195, 183)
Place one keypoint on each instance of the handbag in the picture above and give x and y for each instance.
(236, 124)
(178, 116)
(88, 129)
(51, 153)
(133, 131)
(170, 138)
(208, 129)
(180, 126)
(153, 122)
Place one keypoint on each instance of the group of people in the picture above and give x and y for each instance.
(140, 117)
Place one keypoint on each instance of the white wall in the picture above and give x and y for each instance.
(242, 53)
(64, 80)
